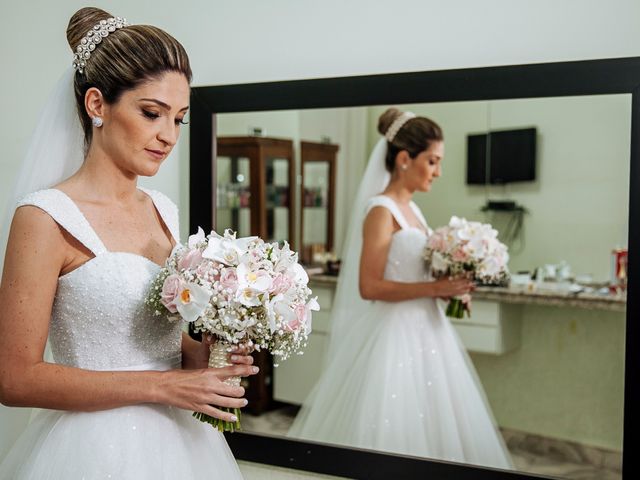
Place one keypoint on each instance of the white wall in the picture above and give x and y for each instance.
(249, 41)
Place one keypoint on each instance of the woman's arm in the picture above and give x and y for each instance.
(378, 230)
(36, 253)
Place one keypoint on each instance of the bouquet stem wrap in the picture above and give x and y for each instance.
(218, 353)
(456, 308)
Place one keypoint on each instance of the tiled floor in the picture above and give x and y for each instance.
(529, 453)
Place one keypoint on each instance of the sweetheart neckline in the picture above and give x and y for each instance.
(411, 227)
(136, 255)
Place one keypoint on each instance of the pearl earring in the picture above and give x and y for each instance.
(96, 121)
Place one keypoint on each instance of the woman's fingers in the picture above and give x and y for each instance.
(227, 390)
(241, 359)
(215, 413)
(237, 370)
(229, 402)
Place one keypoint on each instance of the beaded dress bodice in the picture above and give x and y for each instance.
(405, 258)
(99, 318)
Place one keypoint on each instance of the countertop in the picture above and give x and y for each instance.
(527, 295)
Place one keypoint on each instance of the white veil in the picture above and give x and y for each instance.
(55, 151)
(348, 302)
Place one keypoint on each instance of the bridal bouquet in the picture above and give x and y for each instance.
(242, 290)
(469, 249)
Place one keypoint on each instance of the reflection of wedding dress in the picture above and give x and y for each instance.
(401, 380)
(100, 322)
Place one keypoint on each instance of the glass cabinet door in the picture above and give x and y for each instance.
(233, 195)
(315, 205)
(278, 201)
(317, 200)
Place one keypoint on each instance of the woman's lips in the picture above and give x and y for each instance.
(157, 154)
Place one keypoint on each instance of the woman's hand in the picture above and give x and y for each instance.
(445, 288)
(203, 389)
(196, 354)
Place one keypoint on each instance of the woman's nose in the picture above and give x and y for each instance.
(169, 133)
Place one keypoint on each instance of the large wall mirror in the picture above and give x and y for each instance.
(545, 153)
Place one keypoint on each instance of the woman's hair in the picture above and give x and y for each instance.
(415, 136)
(125, 59)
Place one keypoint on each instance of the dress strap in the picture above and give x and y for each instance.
(66, 214)
(389, 204)
(168, 211)
(418, 213)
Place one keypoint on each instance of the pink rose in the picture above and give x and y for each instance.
(281, 283)
(300, 318)
(437, 242)
(459, 255)
(204, 269)
(171, 288)
(191, 260)
(229, 279)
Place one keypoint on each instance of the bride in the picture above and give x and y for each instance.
(82, 252)
(397, 377)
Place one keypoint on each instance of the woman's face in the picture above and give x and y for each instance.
(425, 167)
(142, 127)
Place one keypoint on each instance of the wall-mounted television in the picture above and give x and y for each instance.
(512, 155)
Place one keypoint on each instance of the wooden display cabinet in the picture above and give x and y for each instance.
(254, 191)
(317, 220)
(255, 181)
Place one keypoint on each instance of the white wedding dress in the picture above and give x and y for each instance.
(100, 322)
(401, 380)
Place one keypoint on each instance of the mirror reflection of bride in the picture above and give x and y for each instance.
(397, 377)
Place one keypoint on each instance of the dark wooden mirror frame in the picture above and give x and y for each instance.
(590, 77)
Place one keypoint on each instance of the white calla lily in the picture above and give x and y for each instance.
(196, 238)
(439, 263)
(248, 297)
(192, 301)
(256, 280)
(312, 305)
(227, 250)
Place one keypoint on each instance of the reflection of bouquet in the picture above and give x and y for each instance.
(469, 249)
(243, 290)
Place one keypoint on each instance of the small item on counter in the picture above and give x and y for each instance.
(618, 279)
(333, 267)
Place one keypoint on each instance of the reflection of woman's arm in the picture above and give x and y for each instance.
(378, 230)
(36, 253)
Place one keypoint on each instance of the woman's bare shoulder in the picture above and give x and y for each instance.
(34, 232)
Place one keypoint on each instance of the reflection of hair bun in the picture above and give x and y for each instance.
(387, 118)
(415, 135)
(81, 22)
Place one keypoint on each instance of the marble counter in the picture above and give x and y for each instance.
(530, 296)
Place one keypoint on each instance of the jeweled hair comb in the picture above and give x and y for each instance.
(93, 38)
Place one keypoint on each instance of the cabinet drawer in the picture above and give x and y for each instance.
(481, 339)
(320, 321)
(294, 378)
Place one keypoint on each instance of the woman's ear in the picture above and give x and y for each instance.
(403, 160)
(94, 103)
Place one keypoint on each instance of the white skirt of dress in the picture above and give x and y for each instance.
(140, 442)
(402, 382)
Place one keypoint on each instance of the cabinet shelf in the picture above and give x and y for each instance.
(262, 170)
(318, 161)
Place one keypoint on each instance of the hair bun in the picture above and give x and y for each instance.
(81, 22)
(387, 118)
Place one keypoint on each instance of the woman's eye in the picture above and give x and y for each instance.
(149, 114)
(181, 121)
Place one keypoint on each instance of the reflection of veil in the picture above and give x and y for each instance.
(54, 153)
(348, 302)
